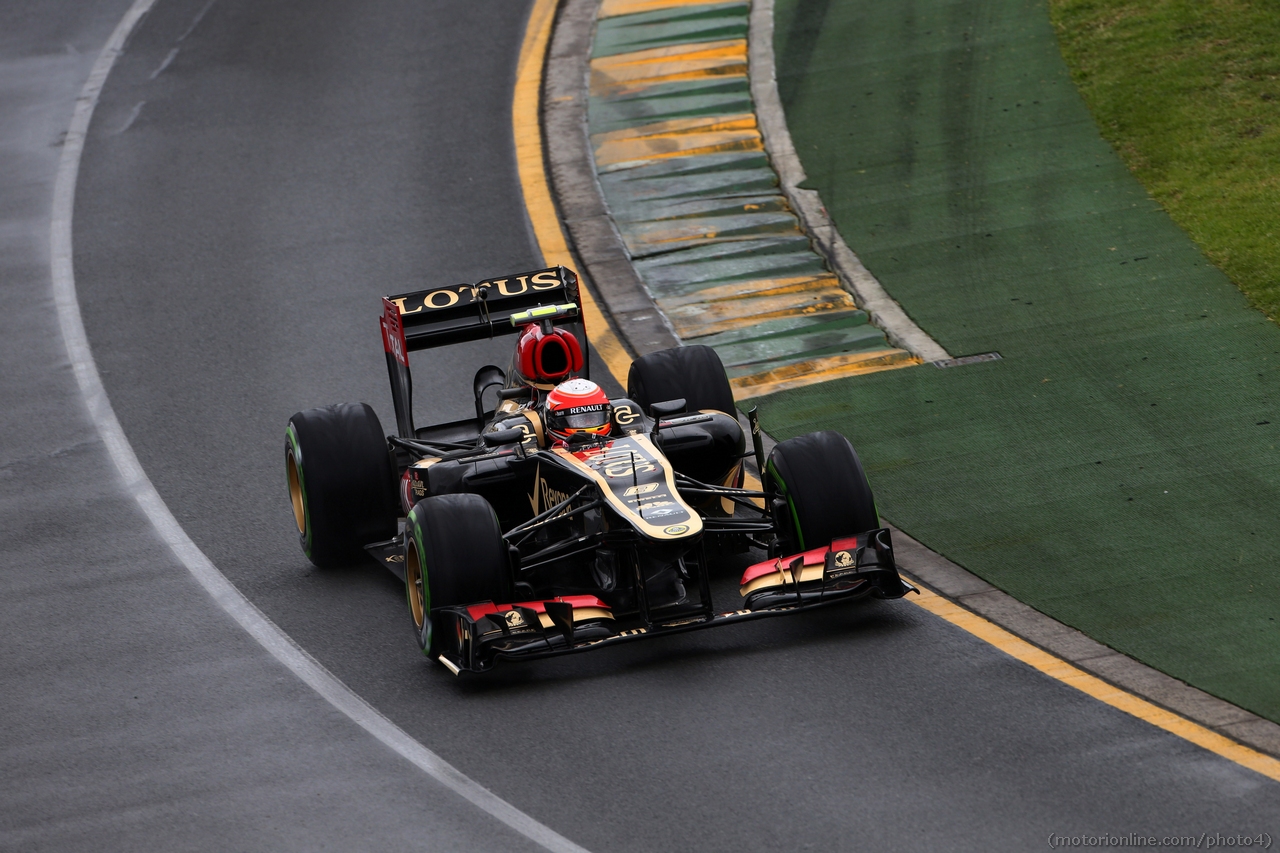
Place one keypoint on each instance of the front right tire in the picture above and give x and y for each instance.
(824, 490)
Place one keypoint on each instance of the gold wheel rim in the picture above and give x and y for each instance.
(413, 578)
(295, 493)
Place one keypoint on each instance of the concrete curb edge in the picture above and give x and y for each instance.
(606, 264)
(885, 313)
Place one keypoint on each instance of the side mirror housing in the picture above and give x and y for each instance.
(669, 407)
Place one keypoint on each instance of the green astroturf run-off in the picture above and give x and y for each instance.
(1118, 468)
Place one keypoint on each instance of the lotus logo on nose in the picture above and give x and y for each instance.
(676, 529)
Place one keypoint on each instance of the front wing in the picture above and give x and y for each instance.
(473, 638)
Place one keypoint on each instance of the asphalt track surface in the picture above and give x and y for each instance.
(241, 206)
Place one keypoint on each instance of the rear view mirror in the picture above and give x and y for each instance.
(668, 408)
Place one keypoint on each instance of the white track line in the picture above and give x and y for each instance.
(138, 485)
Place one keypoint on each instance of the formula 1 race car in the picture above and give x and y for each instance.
(559, 520)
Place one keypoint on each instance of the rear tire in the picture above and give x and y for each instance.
(454, 554)
(341, 482)
(825, 489)
(694, 373)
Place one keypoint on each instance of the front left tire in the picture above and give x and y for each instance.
(454, 554)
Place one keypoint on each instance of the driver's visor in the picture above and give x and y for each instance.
(585, 420)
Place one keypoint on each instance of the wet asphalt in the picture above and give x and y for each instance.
(250, 186)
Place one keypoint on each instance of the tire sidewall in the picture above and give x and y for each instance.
(825, 489)
(462, 557)
(347, 481)
(293, 454)
(413, 534)
(694, 373)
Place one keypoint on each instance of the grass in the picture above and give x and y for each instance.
(1188, 93)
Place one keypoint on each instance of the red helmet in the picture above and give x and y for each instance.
(578, 407)
(547, 356)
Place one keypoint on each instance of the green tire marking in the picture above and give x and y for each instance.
(795, 516)
(415, 527)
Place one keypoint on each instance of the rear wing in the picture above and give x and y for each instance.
(464, 312)
(471, 312)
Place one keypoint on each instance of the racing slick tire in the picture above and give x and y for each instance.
(341, 482)
(454, 554)
(824, 491)
(694, 373)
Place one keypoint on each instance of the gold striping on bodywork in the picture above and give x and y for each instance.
(782, 577)
(817, 370)
(632, 72)
(536, 419)
(692, 526)
(526, 125)
(616, 8)
(752, 483)
(730, 479)
(580, 614)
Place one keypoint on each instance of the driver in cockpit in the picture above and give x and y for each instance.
(576, 410)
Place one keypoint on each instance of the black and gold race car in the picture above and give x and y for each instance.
(559, 520)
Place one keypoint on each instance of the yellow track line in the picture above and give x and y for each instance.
(527, 128)
(1114, 696)
(555, 250)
